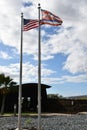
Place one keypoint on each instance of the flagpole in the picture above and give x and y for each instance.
(20, 78)
(39, 73)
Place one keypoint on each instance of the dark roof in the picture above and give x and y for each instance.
(31, 88)
(35, 85)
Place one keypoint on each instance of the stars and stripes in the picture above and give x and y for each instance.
(30, 24)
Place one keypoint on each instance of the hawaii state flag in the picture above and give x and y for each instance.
(51, 19)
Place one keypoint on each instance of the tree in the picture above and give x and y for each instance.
(5, 84)
(54, 96)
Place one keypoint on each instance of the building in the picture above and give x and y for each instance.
(29, 98)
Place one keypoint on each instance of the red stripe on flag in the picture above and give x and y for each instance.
(51, 19)
(30, 24)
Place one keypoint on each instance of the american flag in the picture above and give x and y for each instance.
(30, 24)
(51, 19)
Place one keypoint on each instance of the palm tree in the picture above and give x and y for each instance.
(5, 83)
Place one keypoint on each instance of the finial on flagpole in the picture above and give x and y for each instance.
(21, 13)
(38, 5)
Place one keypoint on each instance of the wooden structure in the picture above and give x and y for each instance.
(29, 97)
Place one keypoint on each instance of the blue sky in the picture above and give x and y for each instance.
(64, 48)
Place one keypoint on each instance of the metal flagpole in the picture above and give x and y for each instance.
(39, 73)
(20, 78)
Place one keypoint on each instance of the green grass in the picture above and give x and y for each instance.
(23, 114)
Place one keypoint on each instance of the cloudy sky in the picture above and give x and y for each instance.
(63, 48)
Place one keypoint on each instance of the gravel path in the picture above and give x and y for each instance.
(53, 122)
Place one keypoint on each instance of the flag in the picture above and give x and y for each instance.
(29, 24)
(51, 19)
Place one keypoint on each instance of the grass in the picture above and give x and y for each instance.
(23, 114)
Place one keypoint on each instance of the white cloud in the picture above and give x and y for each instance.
(4, 55)
(65, 79)
(72, 43)
(30, 43)
(10, 22)
(76, 61)
(30, 72)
